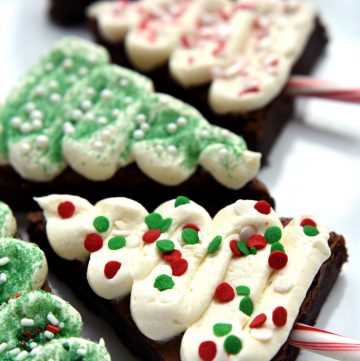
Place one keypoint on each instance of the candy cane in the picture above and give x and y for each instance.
(306, 86)
(325, 343)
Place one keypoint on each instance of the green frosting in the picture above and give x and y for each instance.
(73, 105)
(16, 274)
(7, 221)
(27, 323)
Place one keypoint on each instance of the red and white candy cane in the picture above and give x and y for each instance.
(325, 343)
(307, 86)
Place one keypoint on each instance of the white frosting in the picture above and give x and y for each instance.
(7, 221)
(187, 305)
(246, 49)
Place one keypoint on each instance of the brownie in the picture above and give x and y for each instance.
(117, 313)
(128, 182)
(260, 128)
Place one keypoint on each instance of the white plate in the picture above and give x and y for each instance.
(314, 167)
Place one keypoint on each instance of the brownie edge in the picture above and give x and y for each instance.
(117, 313)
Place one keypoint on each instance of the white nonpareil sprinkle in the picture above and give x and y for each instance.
(86, 104)
(14, 351)
(204, 133)
(25, 127)
(53, 84)
(90, 91)
(25, 147)
(55, 98)
(39, 90)
(3, 346)
(102, 342)
(68, 63)
(37, 124)
(15, 122)
(35, 350)
(98, 144)
(283, 285)
(49, 67)
(3, 277)
(128, 100)
(224, 132)
(123, 83)
(52, 319)
(72, 79)
(76, 114)
(91, 58)
(48, 334)
(83, 70)
(171, 127)
(4, 261)
(106, 94)
(42, 141)
(181, 121)
(29, 107)
(159, 147)
(115, 112)
(22, 355)
(105, 134)
(90, 117)
(27, 322)
(223, 151)
(140, 118)
(81, 351)
(145, 126)
(68, 128)
(61, 325)
(138, 134)
(101, 121)
(35, 114)
(33, 345)
(171, 149)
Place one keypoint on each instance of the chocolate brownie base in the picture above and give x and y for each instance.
(128, 182)
(260, 128)
(68, 12)
(117, 313)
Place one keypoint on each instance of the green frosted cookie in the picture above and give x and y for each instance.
(31, 118)
(41, 326)
(7, 221)
(23, 267)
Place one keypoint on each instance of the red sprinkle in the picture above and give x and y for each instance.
(262, 207)
(224, 292)
(258, 321)
(172, 256)
(15, 295)
(192, 226)
(279, 316)
(151, 235)
(179, 267)
(66, 209)
(277, 260)
(111, 269)
(207, 350)
(307, 222)
(93, 242)
(27, 334)
(52, 328)
(185, 41)
(234, 249)
(256, 240)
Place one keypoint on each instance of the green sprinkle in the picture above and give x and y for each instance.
(165, 245)
(253, 250)
(154, 220)
(66, 346)
(246, 306)
(311, 231)
(179, 201)
(165, 225)
(273, 234)
(101, 224)
(214, 244)
(241, 245)
(117, 242)
(232, 345)
(164, 282)
(243, 290)
(277, 246)
(190, 236)
(222, 329)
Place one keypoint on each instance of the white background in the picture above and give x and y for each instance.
(314, 167)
